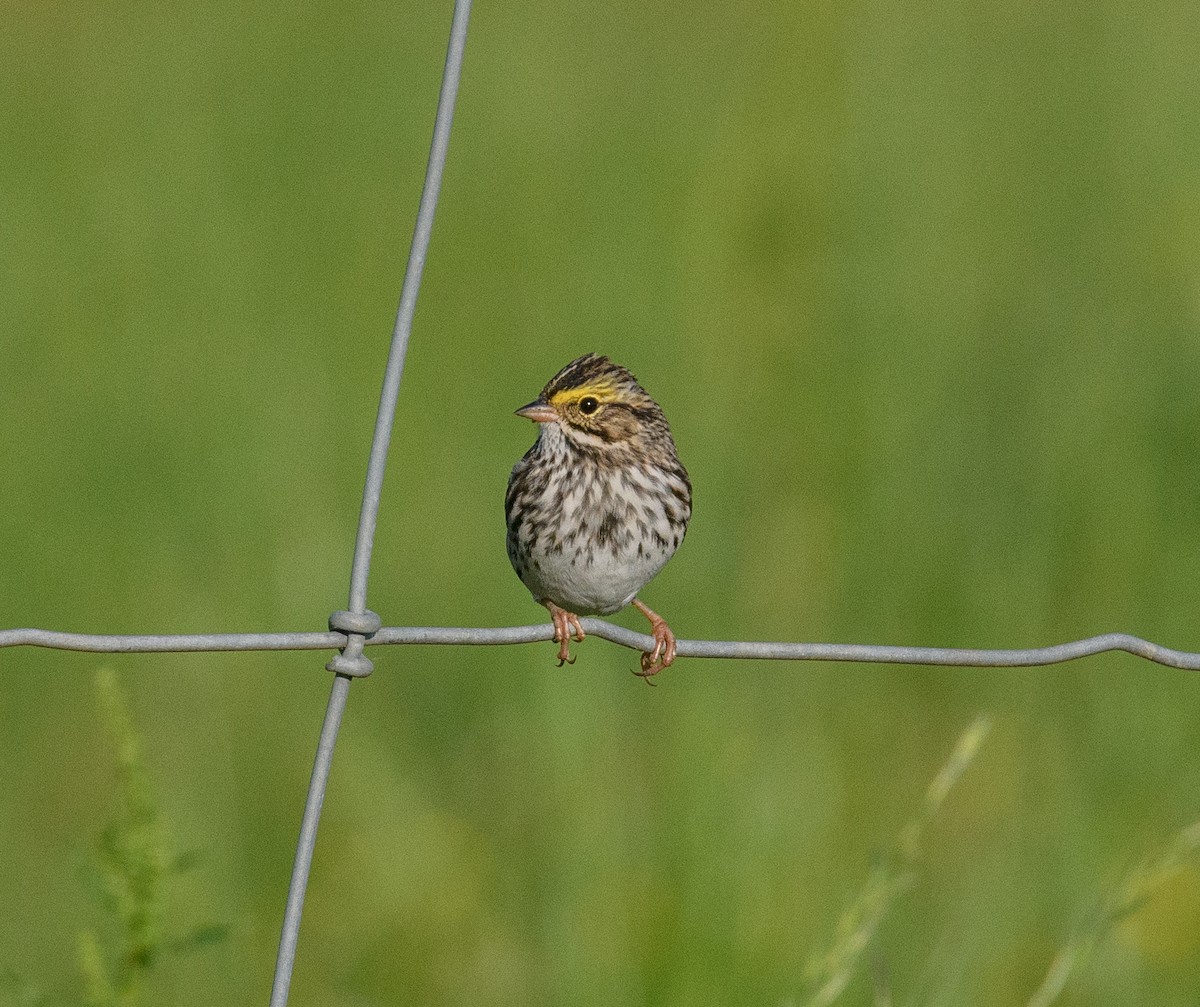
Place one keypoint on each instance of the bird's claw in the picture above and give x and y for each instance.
(663, 654)
(566, 626)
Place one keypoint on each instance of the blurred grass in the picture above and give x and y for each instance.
(918, 289)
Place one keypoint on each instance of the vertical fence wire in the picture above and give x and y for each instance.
(355, 622)
(408, 304)
(286, 957)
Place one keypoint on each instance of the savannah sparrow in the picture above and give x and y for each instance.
(599, 503)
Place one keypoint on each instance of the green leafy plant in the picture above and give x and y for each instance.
(134, 862)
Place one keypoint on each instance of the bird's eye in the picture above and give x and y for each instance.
(588, 405)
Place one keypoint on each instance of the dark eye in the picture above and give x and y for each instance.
(588, 405)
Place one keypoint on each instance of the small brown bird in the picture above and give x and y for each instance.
(599, 503)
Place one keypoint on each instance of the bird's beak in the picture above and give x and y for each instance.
(539, 412)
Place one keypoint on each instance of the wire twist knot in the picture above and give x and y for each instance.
(351, 661)
(361, 623)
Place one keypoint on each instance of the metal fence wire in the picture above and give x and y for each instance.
(352, 630)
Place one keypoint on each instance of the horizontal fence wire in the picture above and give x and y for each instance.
(506, 635)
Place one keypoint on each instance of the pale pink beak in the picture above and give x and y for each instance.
(539, 412)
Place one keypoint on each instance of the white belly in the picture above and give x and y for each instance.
(596, 581)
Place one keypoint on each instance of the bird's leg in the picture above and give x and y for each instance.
(564, 623)
(663, 654)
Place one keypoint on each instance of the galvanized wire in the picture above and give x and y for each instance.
(471, 636)
(286, 957)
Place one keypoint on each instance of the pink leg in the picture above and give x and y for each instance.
(663, 654)
(564, 623)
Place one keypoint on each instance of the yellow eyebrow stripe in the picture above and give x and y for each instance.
(598, 390)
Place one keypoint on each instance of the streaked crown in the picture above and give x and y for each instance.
(595, 375)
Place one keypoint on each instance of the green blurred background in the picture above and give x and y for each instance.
(918, 287)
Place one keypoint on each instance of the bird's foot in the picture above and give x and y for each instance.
(663, 654)
(566, 624)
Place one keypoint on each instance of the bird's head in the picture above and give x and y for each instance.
(597, 404)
